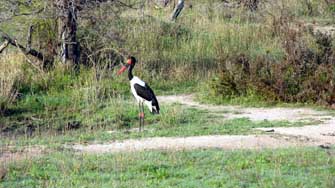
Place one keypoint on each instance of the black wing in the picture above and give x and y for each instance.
(144, 91)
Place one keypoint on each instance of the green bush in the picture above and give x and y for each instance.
(307, 75)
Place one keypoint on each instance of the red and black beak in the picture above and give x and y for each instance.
(124, 67)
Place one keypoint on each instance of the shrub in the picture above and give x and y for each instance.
(234, 76)
(306, 75)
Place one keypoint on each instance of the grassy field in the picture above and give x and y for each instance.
(175, 121)
(305, 167)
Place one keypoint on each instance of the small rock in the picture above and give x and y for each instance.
(328, 134)
(324, 146)
(111, 132)
(270, 131)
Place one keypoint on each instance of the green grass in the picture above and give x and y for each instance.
(257, 101)
(174, 120)
(252, 99)
(305, 167)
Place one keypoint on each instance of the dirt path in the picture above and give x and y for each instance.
(11, 154)
(187, 143)
(317, 135)
(254, 114)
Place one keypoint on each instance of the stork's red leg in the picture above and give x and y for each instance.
(141, 116)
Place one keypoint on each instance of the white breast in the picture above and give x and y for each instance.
(139, 99)
(134, 81)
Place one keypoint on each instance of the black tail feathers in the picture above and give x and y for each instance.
(155, 106)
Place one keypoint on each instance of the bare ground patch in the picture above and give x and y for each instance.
(254, 114)
(188, 143)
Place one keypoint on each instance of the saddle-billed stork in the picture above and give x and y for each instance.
(141, 91)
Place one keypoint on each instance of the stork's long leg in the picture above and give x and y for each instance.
(140, 115)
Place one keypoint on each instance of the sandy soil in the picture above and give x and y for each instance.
(322, 134)
(228, 142)
(254, 114)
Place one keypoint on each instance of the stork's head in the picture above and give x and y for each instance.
(131, 61)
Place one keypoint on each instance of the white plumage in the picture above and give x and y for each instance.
(138, 98)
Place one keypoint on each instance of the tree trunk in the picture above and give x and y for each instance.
(3, 45)
(177, 10)
(69, 51)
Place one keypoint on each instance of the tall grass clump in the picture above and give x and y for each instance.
(194, 46)
(303, 9)
(10, 75)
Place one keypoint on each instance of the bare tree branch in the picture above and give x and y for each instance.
(29, 61)
(29, 37)
(32, 52)
(4, 45)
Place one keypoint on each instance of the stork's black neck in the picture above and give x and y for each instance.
(130, 72)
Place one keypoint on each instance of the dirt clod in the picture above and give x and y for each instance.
(323, 146)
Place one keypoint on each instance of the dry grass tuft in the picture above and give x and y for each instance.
(10, 74)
